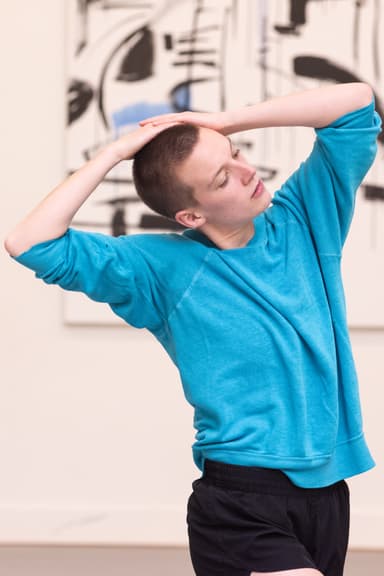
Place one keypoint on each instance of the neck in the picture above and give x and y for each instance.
(228, 239)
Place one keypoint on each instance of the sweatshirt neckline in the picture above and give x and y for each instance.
(258, 223)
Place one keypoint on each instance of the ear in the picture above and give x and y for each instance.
(189, 218)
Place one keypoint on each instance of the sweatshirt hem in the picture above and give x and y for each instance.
(349, 458)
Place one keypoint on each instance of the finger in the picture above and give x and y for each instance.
(159, 127)
(148, 120)
(155, 121)
(161, 119)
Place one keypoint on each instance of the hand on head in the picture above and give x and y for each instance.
(216, 121)
(129, 144)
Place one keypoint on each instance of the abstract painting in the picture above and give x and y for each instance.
(127, 60)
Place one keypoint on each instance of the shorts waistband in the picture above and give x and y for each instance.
(254, 479)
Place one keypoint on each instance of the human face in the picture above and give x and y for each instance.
(227, 189)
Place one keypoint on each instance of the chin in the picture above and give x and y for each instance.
(267, 202)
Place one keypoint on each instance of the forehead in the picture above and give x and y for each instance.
(211, 151)
(211, 145)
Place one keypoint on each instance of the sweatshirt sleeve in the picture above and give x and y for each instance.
(322, 192)
(105, 268)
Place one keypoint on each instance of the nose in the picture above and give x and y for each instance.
(246, 171)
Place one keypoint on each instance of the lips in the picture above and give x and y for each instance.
(258, 190)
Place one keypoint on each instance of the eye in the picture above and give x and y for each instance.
(224, 182)
(236, 153)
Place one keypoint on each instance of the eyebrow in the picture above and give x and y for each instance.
(223, 165)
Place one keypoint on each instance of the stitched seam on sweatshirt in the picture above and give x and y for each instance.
(189, 287)
(266, 454)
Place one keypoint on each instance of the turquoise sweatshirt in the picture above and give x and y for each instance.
(258, 333)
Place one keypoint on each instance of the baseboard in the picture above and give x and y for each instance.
(96, 527)
(140, 527)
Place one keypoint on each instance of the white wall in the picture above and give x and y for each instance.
(95, 434)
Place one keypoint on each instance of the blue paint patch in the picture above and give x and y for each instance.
(182, 97)
(135, 112)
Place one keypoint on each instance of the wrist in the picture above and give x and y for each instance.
(112, 154)
(240, 119)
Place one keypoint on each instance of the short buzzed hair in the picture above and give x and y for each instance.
(154, 170)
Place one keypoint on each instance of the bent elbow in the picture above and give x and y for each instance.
(10, 244)
(366, 94)
(16, 243)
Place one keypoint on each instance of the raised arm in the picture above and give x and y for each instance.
(314, 108)
(52, 216)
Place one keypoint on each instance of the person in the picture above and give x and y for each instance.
(248, 302)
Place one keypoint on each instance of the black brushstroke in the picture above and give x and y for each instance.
(323, 69)
(297, 17)
(193, 52)
(120, 200)
(118, 224)
(102, 82)
(373, 192)
(137, 64)
(210, 63)
(80, 95)
(298, 9)
(286, 29)
(168, 42)
(266, 173)
(188, 39)
(153, 221)
(248, 144)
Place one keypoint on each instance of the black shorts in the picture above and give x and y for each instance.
(244, 518)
